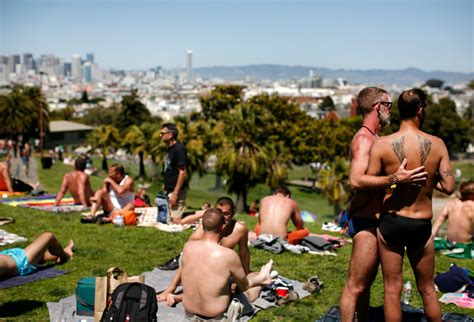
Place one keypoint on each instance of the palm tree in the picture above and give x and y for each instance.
(333, 180)
(16, 110)
(135, 143)
(104, 138)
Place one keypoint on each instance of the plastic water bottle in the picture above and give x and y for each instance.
(118, 221)
(406, 292)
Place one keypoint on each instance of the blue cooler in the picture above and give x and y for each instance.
(85, 296)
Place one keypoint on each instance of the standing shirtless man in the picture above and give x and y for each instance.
(235, 233)
(77, 182)
(460, 215)
(209, 269)
(375, 105)
(405, 220)
(275, 213)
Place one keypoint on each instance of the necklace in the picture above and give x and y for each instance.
(369, 130)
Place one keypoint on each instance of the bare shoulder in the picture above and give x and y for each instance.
(240, 227)
(361, 140)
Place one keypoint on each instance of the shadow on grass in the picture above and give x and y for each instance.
(17, 308)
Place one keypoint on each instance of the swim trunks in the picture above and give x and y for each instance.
(405, 231)
(357, 224)
(19, 256)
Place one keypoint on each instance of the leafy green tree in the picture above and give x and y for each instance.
(84, 97)
(16, 110)
(104, 138)
(98, 115)
(327, 104)
(434, 83)
(333, 180)
(223, 98)
(134, 142)
(132, 112)
(470, 85)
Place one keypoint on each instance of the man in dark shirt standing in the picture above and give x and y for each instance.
(175, 171)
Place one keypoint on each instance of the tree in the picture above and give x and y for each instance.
(99, 115)
(132, 112)
(434, 83)
(327, 104)
(17, 113)
(223, 98)
(333, 180)
(470, 85)
(134, 142)
(104, 138)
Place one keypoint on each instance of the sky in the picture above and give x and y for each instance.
(433, 35)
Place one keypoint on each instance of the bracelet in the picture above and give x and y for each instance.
(392, 181)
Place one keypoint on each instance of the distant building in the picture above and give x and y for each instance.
(76, 67)
(87, 72)
(90, 57)
(189, 66)
(66, 133)
(13, 60)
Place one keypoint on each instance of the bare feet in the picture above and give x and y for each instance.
(172, 299)
(69, 249)
(265, 272)
(162, 296)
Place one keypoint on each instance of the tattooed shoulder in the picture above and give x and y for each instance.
(425, 148)
(398, 146)
(448, 173)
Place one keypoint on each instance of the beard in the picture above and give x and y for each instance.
(384, 118)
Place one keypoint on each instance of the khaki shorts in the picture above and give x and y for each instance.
(178, 210)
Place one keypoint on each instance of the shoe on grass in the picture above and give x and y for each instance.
(291, 296)
(170, 265)
(313, 285)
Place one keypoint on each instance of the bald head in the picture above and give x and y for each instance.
(213, 220)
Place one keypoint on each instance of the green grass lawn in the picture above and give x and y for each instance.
(141, 249)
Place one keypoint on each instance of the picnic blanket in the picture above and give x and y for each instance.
(147, 217)
(409, 313)
(65, 309)
(45, 203)
(9, 238)
(40, 274)
(454, 250)
(6, 194)
(459, 299)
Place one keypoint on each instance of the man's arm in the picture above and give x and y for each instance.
(82, 190)
(6, 176)
(244, 252)
(445, 172)
(198, 233)
(62, 191)
(361, 148)
(179, 185)
(237, 272)
(127, 186)
(296, 218)
(443, 216)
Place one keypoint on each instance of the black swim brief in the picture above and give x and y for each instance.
(357, 224)
(405, 231)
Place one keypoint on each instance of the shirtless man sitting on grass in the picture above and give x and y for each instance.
(78, 185)
(209, 270)
(275, 213)
(45, 248)
(460, 215)
(234, 233)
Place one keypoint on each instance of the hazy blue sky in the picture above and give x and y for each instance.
(366, 34)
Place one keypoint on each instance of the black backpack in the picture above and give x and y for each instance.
(132, 302)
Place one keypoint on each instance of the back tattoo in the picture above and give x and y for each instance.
(398, 147)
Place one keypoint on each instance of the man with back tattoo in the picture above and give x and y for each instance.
(405, 220)
(365, 205)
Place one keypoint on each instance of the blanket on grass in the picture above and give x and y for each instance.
(409, 313)
(40, 274)
(65, 309)
(45, 203)
(14, 201)
(454, 250)
(10, 238)
(311, 244)
(147, 217)
(6, 194)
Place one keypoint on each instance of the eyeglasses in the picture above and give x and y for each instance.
(163, 133)
(387, 104)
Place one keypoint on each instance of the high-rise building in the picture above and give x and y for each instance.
(87, 72)
(3, 60)
(76, 72)
(90, 57)
(67, 69)
(13, 60)
(3, 74)
(189, 65)
(28, 61)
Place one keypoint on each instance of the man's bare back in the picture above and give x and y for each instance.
(78, 185)
(275, 212)
(420, 149)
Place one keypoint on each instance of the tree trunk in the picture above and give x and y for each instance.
(154, 170)
(218, 183)
(241, 205)
(141, 172)
(105, 167)
(337, 209)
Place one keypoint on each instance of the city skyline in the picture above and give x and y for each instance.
(371, 34)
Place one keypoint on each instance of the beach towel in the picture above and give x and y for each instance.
(15, 201)
(147, 217)
(6, 194)
(308, 216)
(65, 309)
(454, 250)
(40, 274)
(459, 299)
(7, 238)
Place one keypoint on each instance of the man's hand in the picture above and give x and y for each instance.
(416, 177)
(173, 199)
